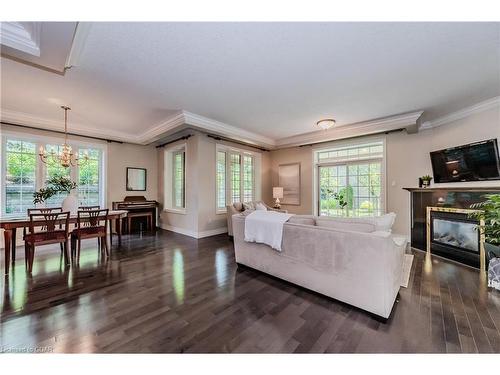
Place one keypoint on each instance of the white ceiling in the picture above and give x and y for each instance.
(49, 43)
(272, 79)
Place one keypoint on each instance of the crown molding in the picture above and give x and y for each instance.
(380, 125)
(22, 36)
(79, 39)
(207, 124)
(173, 124)
(163, 129)
(463, 113)
(75, 128)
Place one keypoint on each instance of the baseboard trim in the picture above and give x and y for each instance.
(212, 232)
(194, 234)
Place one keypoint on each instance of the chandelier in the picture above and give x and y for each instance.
(64, 156)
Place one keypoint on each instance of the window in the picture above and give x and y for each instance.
(175, 178)
(20, 167)
(236, 175)
(89, 181)
(221, 180)
(178, 179)
(248, 175)
(235, 168)
(23, 173)
(53, 170)
(350, 180)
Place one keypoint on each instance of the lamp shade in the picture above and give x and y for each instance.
(277, 192)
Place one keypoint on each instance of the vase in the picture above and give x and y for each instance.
(70, 203)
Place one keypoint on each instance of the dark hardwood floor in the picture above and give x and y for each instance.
(170, 293)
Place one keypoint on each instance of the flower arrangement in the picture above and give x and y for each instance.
(54, 185)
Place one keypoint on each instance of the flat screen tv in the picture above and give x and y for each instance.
(473, 162)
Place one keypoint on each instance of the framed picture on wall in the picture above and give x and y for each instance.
(289, 179)
(136, 179)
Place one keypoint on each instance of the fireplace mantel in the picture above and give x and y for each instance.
(492, 189)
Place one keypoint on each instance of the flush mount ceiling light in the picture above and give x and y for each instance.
(326, 123)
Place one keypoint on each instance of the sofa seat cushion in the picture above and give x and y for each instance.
(302, 219)
(346, 224)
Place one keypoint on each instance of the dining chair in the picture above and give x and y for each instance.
(86, 208)
(89, 208)
(90, 224)
(42, 210)
(54, 228)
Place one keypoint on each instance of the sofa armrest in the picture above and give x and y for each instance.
(230, 211)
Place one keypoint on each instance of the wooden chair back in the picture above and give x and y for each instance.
(48, 221)
(92, 218)
(42, 210)
(89, 208)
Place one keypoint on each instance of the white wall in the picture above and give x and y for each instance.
(407, 157)
(201, 218)
(187, 222)
(119, 156)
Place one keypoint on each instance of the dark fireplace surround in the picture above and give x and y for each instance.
(452, 234)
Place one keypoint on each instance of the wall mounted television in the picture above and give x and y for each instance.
(477, 161)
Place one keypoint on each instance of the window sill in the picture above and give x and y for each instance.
(221, 212)
(180, 211)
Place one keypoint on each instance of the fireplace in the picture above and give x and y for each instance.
(454, 235)
(450, 240)
(455, 232)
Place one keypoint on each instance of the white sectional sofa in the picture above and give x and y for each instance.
(356, 261)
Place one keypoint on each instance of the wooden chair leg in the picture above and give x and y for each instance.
(32, 258)
(78, 250)
(111, 232)
(73, 247)
(66, 255)
(129, 225)
(26, 253)
(62, 247)
(104, 239)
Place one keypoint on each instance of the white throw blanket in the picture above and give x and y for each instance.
(265, 227)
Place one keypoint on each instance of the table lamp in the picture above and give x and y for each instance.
(277, 194)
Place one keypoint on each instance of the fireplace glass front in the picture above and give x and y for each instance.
(463, 235)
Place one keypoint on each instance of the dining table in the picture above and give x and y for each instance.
(11, 224)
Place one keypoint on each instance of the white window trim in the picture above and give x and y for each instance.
(168, 178)
(352, 142)
(257, 178)
(40, 169)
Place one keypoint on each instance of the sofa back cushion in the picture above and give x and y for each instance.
(385, 222)
(346, 224)
(300, 219)
(238, 206)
